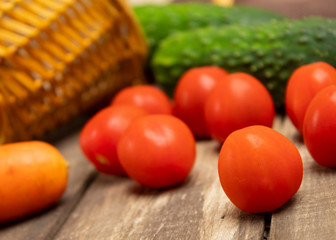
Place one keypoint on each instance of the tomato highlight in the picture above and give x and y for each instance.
(237, 101)
(319, 127)
(190, 95)
(259, 169)
(99, 137)
(148, 97)
(157, 151)
(305, 82)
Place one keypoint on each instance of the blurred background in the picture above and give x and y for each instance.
(296, 8)
(290, 8)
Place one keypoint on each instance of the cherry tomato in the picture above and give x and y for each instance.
(99, 137)
(302, 86)
(238, 101)
(319, 127)
(157, 151)
(259, 169)
(191, 93)
(148, 97)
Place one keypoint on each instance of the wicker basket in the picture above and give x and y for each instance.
(58, 58)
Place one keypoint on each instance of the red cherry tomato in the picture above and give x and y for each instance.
(191, 93)
(302, 86)
(238, 101)
(150, 98)
(100, 135)
(259, 169)
(157, 151)
(319, 127)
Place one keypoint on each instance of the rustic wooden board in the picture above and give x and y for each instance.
(118, 208)
(46, 224)
(311, 213)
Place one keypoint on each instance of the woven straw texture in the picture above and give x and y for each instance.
(58, 58)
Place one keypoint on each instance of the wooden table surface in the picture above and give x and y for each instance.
(96, 206)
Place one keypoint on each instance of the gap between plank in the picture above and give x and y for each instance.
(71, 207)
(267, 226)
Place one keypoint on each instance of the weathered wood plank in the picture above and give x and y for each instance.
(311, 213)
(44, 225)
(118, 208)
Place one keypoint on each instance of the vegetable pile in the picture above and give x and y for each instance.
(259, 168)
(216, 82)
(225, 79)
(270, 52)
(239, 39)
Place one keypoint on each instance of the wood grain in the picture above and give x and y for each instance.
(311, 213)
(45, 224)
(118, 208)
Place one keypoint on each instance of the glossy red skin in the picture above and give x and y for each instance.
(303, 85)
(148, 97)
(259, 169)
(99, 137)
(319, 127)
(238, 101)
(190, 95)
(157, 151)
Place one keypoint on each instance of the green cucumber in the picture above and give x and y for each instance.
(160, 21)
(270, 52)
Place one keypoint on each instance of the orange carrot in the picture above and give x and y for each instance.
(33, 176)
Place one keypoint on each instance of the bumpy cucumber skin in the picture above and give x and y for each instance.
(270, 52)
(160, 21)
